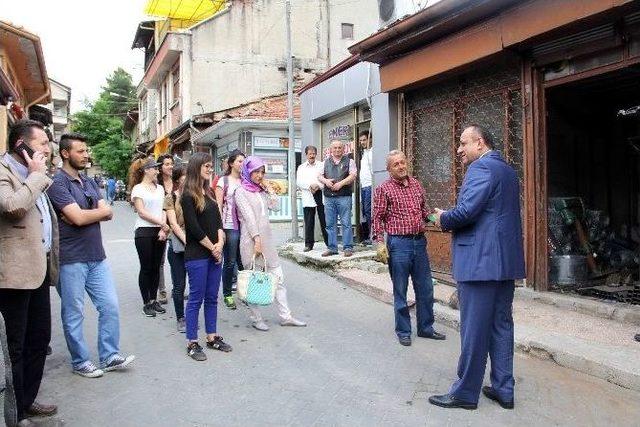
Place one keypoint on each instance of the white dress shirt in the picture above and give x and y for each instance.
(366, 168)
(306, 175)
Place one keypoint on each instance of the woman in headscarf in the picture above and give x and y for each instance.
(253, 201)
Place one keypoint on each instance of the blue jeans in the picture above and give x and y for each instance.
(230, 260)
(408, 257)
(334, 207)
(178, 278)
(94, 278)
(204, 283)
(365, 198)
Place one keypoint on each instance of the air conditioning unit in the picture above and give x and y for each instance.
(390, 11)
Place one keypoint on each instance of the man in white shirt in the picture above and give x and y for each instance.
(366, 181)
(307, 180)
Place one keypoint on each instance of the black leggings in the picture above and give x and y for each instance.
(150, 252)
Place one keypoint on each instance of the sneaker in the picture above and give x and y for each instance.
(182, 326)
(195, 352)
(229, 302)
(118, 362)
(234, 287)
(260, 325)
(148, 310)
(163, 297)
(157, 307)
(328, 253)
(292, 321)
(219, 344)
(88, 370)
(348, 253)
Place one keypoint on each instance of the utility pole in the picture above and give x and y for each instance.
(292, 143)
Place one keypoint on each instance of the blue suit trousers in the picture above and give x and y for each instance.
(486, 328)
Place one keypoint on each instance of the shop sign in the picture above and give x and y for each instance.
(341, 132)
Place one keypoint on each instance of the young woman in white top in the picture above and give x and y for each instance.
(225, 190)
(151, 230)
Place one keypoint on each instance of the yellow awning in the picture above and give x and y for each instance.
(189, 12)
(160, 146)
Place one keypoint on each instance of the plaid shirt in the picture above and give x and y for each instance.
(399, 208)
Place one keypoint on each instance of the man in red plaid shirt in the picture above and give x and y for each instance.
(400, 211)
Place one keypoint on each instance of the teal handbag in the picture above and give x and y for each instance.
(255, 286)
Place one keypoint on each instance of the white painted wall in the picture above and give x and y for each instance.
(363, 14)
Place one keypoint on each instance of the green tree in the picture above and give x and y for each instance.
(102, 123)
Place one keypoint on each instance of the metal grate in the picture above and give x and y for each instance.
(437, 115)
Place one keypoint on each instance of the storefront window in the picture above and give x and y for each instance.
(340, 127)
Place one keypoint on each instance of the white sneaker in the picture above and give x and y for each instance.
(292, 321)
(88, 370)
(118, 362)
(260, 325)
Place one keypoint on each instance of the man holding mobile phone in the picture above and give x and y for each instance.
(29, 262)
(78, 202)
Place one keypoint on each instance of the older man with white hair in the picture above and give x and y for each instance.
(400, 211)
(338, 176)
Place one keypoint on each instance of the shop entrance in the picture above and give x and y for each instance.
(593, 184)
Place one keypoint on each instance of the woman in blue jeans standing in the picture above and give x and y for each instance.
(225, 191)
(177, 240)
(203, 255)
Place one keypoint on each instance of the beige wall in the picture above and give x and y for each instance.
(363, 14)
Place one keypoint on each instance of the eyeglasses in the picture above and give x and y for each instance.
(90, 199)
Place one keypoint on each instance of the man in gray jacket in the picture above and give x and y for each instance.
(29, 262)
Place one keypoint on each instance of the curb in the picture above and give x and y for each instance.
(604, 362)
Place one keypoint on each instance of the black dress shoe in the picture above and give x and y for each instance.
(406, 341)
(637, 337)
(448, 401)
(434, 336)
(491, 394)
(307, 249)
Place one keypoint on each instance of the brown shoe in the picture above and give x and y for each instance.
(307, 249)
(329, 253)
(348, 253)
(41, 410)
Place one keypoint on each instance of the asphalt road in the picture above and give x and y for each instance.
(345, 368)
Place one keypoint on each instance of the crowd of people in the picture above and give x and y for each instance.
(214, 226)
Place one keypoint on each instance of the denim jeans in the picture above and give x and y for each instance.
(334, 207)
(408, 257)
(365, 198)
(178, 278)
(204, 283)
(230, 264)
(94, 278)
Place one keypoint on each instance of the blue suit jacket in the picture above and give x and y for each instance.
(486, 224)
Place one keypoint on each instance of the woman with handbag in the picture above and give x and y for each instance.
(177, 239)
(253, 202)
(225, 190)
(151, 230)
(202, 254)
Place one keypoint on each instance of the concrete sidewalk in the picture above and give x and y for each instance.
(589, 336)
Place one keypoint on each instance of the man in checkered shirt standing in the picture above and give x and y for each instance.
(400, 211)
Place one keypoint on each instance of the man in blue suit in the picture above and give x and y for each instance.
(487, 258)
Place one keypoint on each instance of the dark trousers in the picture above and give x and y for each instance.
(150, 253)
(365, 199)
(486, 328)
(179, 280)
(231, 261)
(310, 221)
(27, 315)
(408, 257)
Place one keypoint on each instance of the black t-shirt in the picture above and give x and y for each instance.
(198, 225)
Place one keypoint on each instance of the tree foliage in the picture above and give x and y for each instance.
(102, 122)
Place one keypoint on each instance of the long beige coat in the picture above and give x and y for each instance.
(23, 261)
(253, 212)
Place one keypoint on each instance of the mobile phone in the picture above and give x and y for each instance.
(24, 147)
